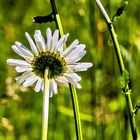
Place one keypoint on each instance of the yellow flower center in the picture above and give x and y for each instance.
(51, 60)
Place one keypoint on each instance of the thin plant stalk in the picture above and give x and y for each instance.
(121, 66)
(72, 88)
(57, 17)
(45, 112)
(76, 111)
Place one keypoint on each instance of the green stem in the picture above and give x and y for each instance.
(57, 17)
(76, 111)
(72, 88)
(45, 112)
(121, 66)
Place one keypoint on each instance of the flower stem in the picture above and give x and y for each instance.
(76, 111)
(45, 112)
(121, 66)
(57, 17)
(72, 88)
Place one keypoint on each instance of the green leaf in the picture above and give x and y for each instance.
(124, 80)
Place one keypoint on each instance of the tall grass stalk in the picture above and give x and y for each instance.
(72, 88)
(45, 112)
(76, 112)
(122, 68)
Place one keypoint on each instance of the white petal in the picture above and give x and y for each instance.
(74, 76)
(17, 62)
(24, 50)
(38, 85)
(30, 80)
(79, 67)
(23, 77)
(54, 39)
(16, 49)
(62, 80)
(42, 85)
(49, 38)
(40, 42)
(31, 42)
(50, 94)
(76, 51)
(16, 78)
(72, 81)
(21, 69)
(53, 86)
(75, 58)
(71, 47)
(61, 42)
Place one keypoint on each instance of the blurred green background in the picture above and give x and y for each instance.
(103, 109)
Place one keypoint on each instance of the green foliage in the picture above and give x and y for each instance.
(124, 81)
(137, 107)
(120, 11)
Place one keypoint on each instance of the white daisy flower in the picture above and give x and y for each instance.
(62, 63)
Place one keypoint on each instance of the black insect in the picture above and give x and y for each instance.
(43, 19)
